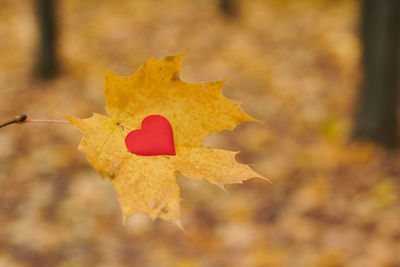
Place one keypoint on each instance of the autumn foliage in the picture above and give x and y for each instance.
(147, 183)
(294, 65)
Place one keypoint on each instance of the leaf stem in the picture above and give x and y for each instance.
(23, 119)
(49, 121)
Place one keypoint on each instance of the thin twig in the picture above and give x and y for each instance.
(8, 123)
(18, 119)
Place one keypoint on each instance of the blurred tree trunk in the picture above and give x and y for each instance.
(229, 7)
(377, 118)
(46, 65)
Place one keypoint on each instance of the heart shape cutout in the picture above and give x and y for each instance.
(154, 138)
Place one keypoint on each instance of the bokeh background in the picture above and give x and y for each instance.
(295, 65)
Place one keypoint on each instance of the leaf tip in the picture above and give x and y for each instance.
(222, 186)
(176, 59)
(178, 223)
(257, 175)
(124, 219)
(263, 178)
(223, 80)
(245, 116)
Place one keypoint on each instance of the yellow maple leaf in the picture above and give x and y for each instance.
(147, 184)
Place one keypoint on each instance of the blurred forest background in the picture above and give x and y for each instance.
(296, 65)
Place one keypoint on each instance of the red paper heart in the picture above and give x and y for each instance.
(155, 138)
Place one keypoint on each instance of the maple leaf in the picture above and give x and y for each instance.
(147, 184)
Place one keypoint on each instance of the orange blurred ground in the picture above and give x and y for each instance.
(295, 66)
